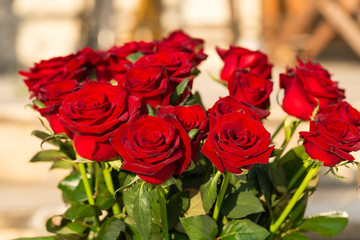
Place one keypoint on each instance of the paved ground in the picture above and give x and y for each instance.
(28, 191)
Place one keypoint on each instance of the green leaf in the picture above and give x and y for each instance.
(71, 228)
(52, 227)
(135, 56)
(177, 205)
(73, 188)
(70, 237)
(59, 225)
(297, 214)
(62, 165)
(279, 179)
(104, 199)
(295, 236)
(193, 99)
(128, 185)
(243, 230)
(39, 104)
(82, 211)
(262, 177)
(55, 139)
(180, 88)
(178, 236)
(131, 185)
(241, 204)
(37, 238)
(40, 134)
(327, 224)
(201, 227)
(293, 160)
(195, 72)
(116, 164)
(142, 212)
(209, 192)
(48, 156)
(111, 229)
(193, 133)
(168, 182)
(150, 110)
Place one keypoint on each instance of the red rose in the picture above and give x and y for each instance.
(238, 57)
(91, 115)
(180, 41)
(190, 117)
(231, 104)
(331, 139)
(177, 64)
(47, 71)
(305, 87)
(74, 66)
(250, 88)
(116, 67)
(150, 84)
(155, 148)
(131, 48)
(345, 111)
(52, 95)
(237, 141)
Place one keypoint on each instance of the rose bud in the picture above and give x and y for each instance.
(238, 57)
(250, 88)
(91, 115)
(237, 141)
(190, 117)
(305, 87)
(331, 139)
(155, 148)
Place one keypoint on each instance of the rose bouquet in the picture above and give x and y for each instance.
(147, 161)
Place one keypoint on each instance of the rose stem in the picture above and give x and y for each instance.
(162, 202)
(221, 195)
(277, 130)
(313, 170)
(110, 187)
(298, 174)
(86, 184)
(87, 188)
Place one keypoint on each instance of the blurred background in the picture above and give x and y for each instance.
(326, 31)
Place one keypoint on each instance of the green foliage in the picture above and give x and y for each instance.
(179, 90)
(327, 224)
(135, 56)
(142, 212)
(106, 202)
(243, 230)
(82, 211)
(241, 204)
(111, 229)
(72, 188)
(38, 238)
(209, 191)
(201, 227)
